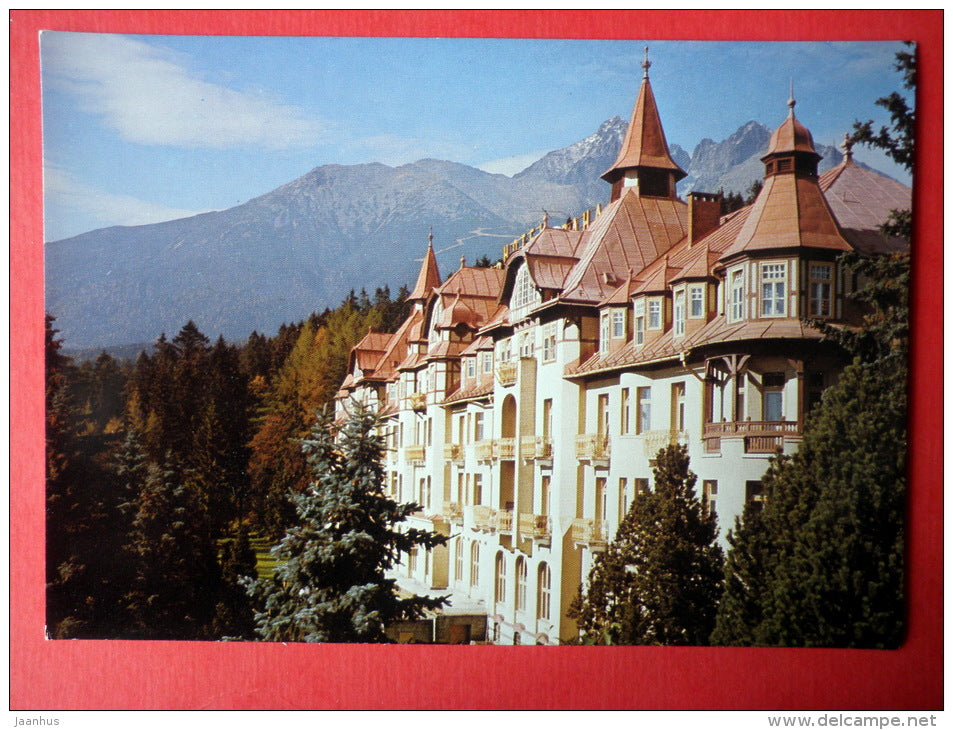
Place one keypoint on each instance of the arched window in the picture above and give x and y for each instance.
(542, 592)
(525, 294)
(474, 563)
(500, 578)
(521, 575)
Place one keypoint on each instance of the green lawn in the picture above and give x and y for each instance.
(266, 563)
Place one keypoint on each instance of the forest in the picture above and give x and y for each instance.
(166, 474)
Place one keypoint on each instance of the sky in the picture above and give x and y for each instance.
(140, 129)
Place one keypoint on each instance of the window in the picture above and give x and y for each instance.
(549, 342)
(487, 362)
(474, 563)
(600, 499)
(477, 489)
(773, 285)
(709, 495)
(526, 344)
(625, 412)
(471, 367)
(639, 309)
(678, 406)
(500, 595)
(525, 294)
(458, 559)
(773, 397)
(696, 296)
(644, 419)
(412, 561)
(754, 493)
(547, 419)
(477, 426)
(623, 497)
(737, 309)
(521, 579)
(655, 314)
(678, 313)
(821, 278)
(618, 324)
(544, 496)
(604, 333)
(542, 588)
(641, 487)
(602, 427)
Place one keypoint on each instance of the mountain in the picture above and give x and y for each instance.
(306, 244)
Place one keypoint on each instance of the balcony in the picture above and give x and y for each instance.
(416, 454)
(593, 447)
(654, 441)
(504, 449)
(484, 450)
(506, 373)
(538, 527)
(504, 521)
(481, 517)
(453, 511)
(760, 437)
(418, 401)
(535, 447)
(453, 452)
(591, 533)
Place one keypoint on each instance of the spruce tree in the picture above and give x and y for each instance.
(658, 581)
(331, 582)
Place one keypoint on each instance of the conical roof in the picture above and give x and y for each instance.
(644, 144)
(791, 136)
(429, 277)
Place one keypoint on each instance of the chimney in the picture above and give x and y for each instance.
(704, 212)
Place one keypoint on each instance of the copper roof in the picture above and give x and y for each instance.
(480, 390)
(428, 279)
(791, 136)
(861, 200)
(632, 232)
(644, 144)
(790, 211)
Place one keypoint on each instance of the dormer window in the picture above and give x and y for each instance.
(471, 367)
(736, 310)
(525, 295)
(618, 324)
(639, 311)
(773, 290)
(655, 314)
(696, 301)
(678, 312)
(819, 292)
(604, 333)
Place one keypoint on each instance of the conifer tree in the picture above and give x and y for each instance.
(658, 581)
(234, 617)
(330, 584)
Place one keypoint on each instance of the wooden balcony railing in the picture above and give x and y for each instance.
(484, 450)
(504, 449)
(453, 452)
(506, 373)
(538, 527)
(592, 447)
(415, 453)
(481, 517)
(453, 511)
(760, 437)
(653, 441)
(589, 532)
(504, 520)
(535, 447)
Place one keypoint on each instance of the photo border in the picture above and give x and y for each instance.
(117, 674)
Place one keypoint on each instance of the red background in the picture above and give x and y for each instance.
(61, 675)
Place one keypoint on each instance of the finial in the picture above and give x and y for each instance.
(430, 238)
(463, 261)
(646, 64)
(847, 147)
(545, 218)
(791, 101)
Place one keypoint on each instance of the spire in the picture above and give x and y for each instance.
(791, 148)
(429, 277)
(644, 161)
(791, 101)
(847, 147)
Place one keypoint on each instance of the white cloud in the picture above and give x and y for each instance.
(67, 200)
(511, 165)
(144, 93)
